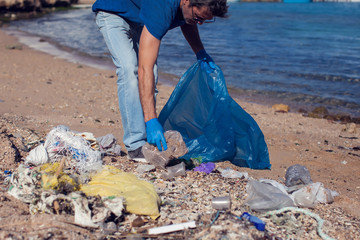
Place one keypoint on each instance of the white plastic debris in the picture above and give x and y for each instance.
(61, 141)
(264, 197)
(144, 168)
(230, 173)
(174, 171)
(172, 228)
(37, 156)
(274, 183)
(108, 144)
(79, 205)
(312, 194)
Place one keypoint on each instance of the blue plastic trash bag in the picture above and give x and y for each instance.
(213, 126)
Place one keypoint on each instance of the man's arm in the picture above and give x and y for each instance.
(191, 34)
(148, 53)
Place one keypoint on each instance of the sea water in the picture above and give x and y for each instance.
(305, 54)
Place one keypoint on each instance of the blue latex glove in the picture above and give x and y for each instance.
(206, 61)
(202, 55)
(155, 134)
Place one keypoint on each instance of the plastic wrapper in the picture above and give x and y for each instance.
(79, 147)
(93, 211)
(140, 196)
(265, 197)
(312, 194)
(37, 156)
(213, 126)
(231, 173)
(205, 167)
(176, 149)
(174, 171)
(297, 175)
(24, 182)
(108, 144)
(53, 177)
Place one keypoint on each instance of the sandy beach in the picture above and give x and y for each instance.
(39, 91)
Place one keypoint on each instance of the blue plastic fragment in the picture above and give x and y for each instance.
(257, 222)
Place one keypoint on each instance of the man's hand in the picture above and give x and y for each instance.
(207, 62)
(155, 134)
(202, 55)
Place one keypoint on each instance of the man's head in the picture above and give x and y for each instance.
(200, 11)
(218, 8)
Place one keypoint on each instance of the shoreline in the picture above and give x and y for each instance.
(50, 47)
(308, 105)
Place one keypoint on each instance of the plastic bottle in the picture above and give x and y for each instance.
(257, 222)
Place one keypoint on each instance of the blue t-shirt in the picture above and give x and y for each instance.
(158, 16)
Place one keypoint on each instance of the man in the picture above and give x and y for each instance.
(133, 30)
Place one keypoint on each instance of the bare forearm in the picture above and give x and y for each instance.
(191, 34)
(146, 91)
(148, 52)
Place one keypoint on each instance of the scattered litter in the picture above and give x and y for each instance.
(176, 149)
(319, 220)
(90, 138)
(297, 174)
(174, 171)
(274, 183)
(37, 156)
(80, 205)
(350, 128)
(205, 167)
(281, 108)
(24, 183)
(53, 177)
(108, 145)
(311, 194)
(221, 203)
(144, 168)
(61, 141)
(257, 222)
(230, 173)
(264, 197)
(140, 196)
(14, 46)
(7, 176)
(172, 228)
(109, 228)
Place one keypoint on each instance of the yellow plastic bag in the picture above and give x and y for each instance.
(140, 196)
(52, 177)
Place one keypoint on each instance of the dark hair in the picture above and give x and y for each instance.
(217, 8)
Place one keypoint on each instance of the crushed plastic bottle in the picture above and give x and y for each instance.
(176, 149)
(174, 171)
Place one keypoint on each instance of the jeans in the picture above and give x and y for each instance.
(122, 39)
